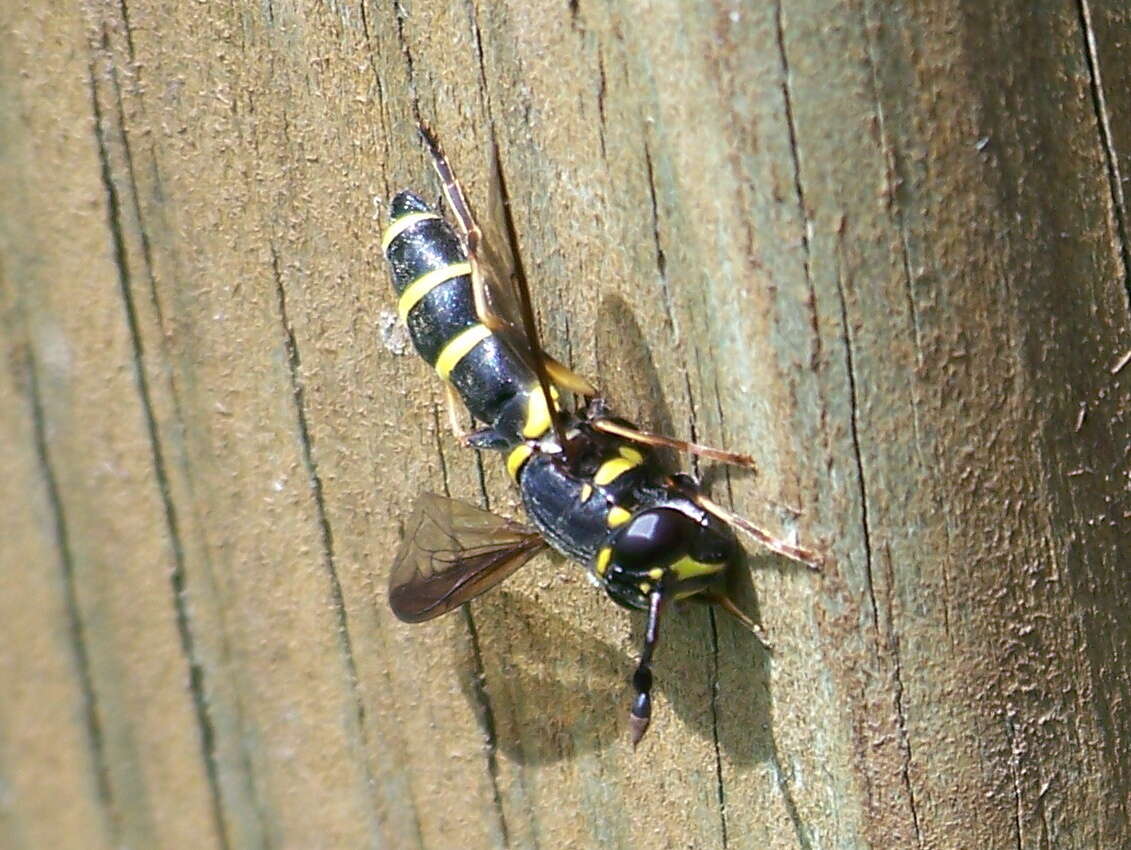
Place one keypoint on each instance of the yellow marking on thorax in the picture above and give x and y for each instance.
(610, 470)
(604, 555)
(400, 225)
(459, 347)
(618, 516)
(517, 457)
(629, 453)
(538, 412)
(426, 283)
(687, 568)
(586, 492)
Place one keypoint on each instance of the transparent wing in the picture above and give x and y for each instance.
(452, 552)
(495, 257)
(504, 288)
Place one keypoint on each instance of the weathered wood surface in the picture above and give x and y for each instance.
(882, 247)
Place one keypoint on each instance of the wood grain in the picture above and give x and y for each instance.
(883, 248)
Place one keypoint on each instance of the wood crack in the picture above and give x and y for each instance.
(306, 442)
(381, 105)
(484, 711)
(438, 430)
(893, 180)
(720, 784)
(854, 422)
(473, 19)
(177, 576)
(795, 160)
(1015, 775)
(661, 257)
(485, 714)
(794, 151)
(900, 707)
(661, 260)
(716, 742)
(400, 15)
(602, 91)
(127, 29)
(75, 628)
(1111, 160)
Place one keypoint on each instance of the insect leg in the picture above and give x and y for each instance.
(455, 409)
(812, 559)
(727, 604)
(641, 714)
(453, 192)
(480, 438)
(469, 227)
(649, 439)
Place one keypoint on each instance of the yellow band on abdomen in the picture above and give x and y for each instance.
(426, 283)
(400, 225)
(459, 347)
(519, 455)
(538, 419)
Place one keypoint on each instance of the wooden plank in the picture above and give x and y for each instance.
(264, 576)
(106, 578)
(881, 248)
(1104, 30)
(286, 541)
(980, 292)
(48, 735)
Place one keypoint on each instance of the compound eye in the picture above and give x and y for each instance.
(653, 538)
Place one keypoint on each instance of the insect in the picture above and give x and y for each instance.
(591, 484)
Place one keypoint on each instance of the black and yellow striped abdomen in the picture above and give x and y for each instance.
(436, 299)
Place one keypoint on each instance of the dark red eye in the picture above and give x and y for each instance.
(653, 538)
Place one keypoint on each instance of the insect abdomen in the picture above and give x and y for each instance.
(431, 276)
(436, 299)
